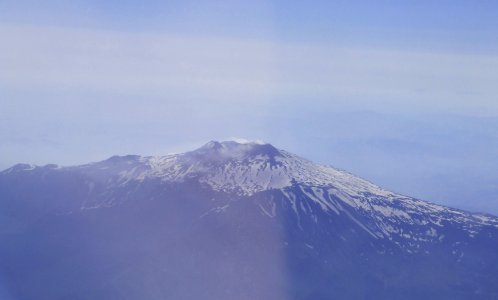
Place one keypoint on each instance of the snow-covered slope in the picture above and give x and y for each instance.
(235, 206)
(245, 169)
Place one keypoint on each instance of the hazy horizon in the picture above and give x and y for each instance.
(402, 94)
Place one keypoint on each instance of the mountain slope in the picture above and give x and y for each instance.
(233, 221)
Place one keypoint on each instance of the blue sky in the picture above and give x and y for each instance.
(403, 93)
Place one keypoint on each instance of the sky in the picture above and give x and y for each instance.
(402, 93)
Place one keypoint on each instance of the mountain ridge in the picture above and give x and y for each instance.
(250, 167)
(250, 202)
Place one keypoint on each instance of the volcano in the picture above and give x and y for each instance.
(232, 220)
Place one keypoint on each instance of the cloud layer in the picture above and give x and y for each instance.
(227, 69)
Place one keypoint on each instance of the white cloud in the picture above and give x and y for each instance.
(225, 69)
(246, 141)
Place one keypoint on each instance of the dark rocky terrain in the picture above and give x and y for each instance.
(232, 221)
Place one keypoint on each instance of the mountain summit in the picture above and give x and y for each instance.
(245, 168)
(233, 220)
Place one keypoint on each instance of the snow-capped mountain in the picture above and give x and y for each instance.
(270, 224)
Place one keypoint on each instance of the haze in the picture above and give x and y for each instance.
(402, 94)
